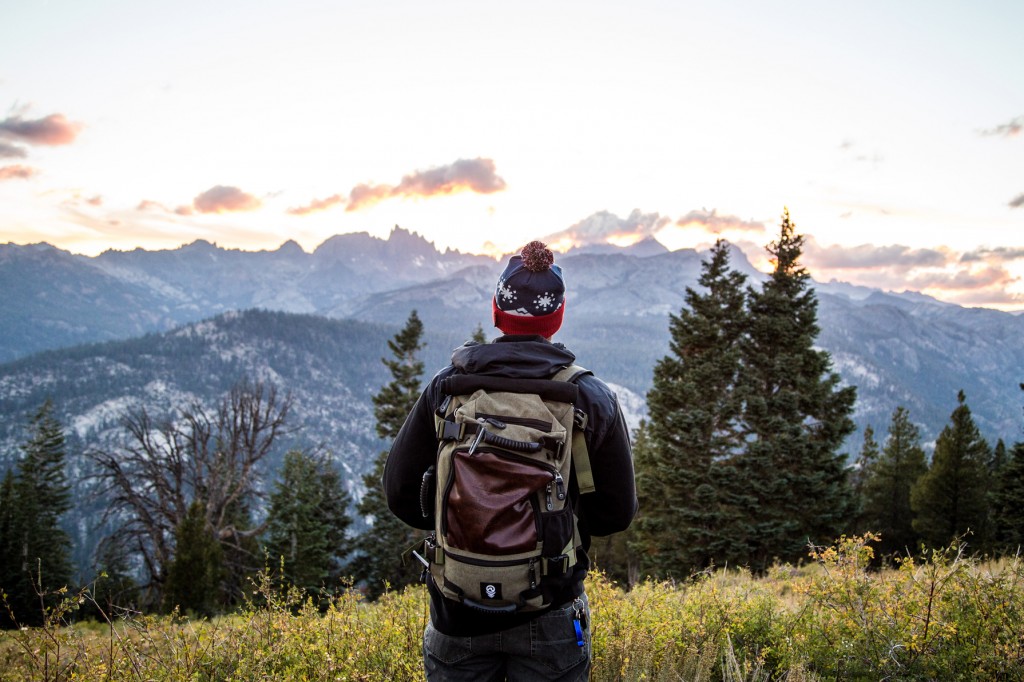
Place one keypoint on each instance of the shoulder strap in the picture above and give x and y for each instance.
(580, 454)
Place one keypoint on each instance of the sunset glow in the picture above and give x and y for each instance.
(892, 132)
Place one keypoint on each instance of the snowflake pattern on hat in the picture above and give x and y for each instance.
(506, 294)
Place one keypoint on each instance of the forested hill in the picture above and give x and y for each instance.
(331, 368)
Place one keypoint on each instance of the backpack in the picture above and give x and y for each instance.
(505, 534)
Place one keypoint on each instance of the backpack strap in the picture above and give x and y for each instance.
(580, 454)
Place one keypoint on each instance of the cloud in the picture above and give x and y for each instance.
(465, 175)
(991, 277)
(1017, 202)
(225, 199)
(147, 205)
(10, 151)
(52, 130)
(317, 205)
(607, 228)
(1011, 129)
(711, 222)
(868, 256)
(17, 172)
(1000, 254)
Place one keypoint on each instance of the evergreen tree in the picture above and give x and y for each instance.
(950, 499)
(195, 575)
(684, 472)
(998, 460)
(307, 521)
(1007, 498)
(478, 334)
(865, 461)
(887, 485)
(793, 482)
(36, 549)
(1008, 504)
(381, 545)
(10, 566)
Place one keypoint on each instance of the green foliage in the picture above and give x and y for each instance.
(35, 549)
(1008, 502)
(194, 577)
(685, 473)
(746, 418)
(793, 483)
(887, 482)
(946, 618)
(394, 401)
(307, 521)
(379, 565)
(950, 499)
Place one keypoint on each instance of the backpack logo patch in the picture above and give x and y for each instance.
(491, 590)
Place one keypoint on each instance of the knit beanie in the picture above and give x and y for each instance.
(530, 296)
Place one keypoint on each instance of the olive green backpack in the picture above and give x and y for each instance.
(505, 532)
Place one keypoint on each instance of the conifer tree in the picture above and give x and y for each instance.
(793, 482)
(36, 549)
(950, 499)
(887, 485)
(1007, 498)
(684, 472)
(307, 521)
(1008, 504)
(381, 545)
(865, 460)
(195, 575)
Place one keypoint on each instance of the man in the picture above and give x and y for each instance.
(463, 643)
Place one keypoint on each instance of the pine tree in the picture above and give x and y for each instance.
(950, 499)
(478, 334)
(195, 575)
(10, 566)
(684, 472)
(887, 485)
(865, 460)
(33, 499)
(381, 545)
(1007, 498)
(1008, 504)
(307, 521)
(793, 482)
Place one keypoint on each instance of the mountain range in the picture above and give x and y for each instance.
(898, 349)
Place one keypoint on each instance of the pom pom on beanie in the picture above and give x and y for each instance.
(537, 257)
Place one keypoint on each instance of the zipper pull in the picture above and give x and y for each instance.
(550, 503)
(559, 485)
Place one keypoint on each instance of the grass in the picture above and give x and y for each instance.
(947, 618)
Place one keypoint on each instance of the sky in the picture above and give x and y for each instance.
(892, 132)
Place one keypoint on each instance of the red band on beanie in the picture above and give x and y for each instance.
(542, 325)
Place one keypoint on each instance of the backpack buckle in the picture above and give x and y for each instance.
(580, 418)
(449, 430)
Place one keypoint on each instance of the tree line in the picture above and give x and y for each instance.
(737, 464)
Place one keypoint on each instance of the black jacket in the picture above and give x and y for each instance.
(607, 510)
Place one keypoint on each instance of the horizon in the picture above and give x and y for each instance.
(892, 133)
(751, 260)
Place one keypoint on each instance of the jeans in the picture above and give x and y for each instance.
(546, 648)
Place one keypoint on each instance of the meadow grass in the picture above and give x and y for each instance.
(945, 618)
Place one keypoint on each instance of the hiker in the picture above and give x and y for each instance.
(466, 639)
